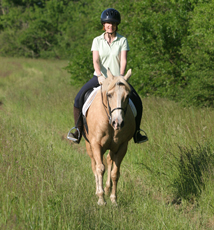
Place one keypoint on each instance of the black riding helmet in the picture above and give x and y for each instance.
(110, 15)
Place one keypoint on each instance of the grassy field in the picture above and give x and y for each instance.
(47, 182)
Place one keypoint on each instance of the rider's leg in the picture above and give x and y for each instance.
(76, 136)
(138, 138)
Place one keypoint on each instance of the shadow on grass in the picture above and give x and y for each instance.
(194, 166)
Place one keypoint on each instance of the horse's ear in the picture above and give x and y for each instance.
(109, 74)
(128, 75)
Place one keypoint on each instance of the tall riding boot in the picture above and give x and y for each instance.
(138, 138)
(77, 135)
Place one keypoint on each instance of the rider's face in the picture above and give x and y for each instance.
(110, 27)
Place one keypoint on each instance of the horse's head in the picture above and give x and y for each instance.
(116, 95)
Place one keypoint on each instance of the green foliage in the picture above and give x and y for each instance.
(158, 30)
(81, 68)
(40, 31)
(198, 51)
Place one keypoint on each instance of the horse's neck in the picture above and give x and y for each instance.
(103, 101)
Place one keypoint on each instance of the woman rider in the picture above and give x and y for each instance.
(109, 51)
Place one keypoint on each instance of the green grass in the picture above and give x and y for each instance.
(47, 182)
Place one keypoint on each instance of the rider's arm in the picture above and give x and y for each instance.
(96, 62)
(123, 62)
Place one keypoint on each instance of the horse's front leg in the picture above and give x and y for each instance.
(93, 164)
(108, 182)
(115, 173)
(100, 169)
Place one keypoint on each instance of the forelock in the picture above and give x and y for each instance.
(118, 81)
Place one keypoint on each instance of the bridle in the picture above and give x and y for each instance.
(109, 108)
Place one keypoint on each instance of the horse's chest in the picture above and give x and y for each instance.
(111, 142)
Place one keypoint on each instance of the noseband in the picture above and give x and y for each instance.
(109, 108)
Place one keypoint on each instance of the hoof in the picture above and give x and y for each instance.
(101, 202)
(114, 203)
(113, 200)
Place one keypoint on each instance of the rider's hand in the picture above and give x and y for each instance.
(101, 79)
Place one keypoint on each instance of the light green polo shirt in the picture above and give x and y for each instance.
(110, 54)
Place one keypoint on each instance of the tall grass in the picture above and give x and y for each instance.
(47, 182)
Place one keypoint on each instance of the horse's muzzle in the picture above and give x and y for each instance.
(117, 125)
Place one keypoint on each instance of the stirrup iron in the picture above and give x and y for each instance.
(71, 138)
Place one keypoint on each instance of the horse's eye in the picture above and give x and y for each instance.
(109, 95)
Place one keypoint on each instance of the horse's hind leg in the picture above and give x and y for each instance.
(115, 173)
(108, 182)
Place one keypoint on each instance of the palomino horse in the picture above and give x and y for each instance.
(111, 124)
